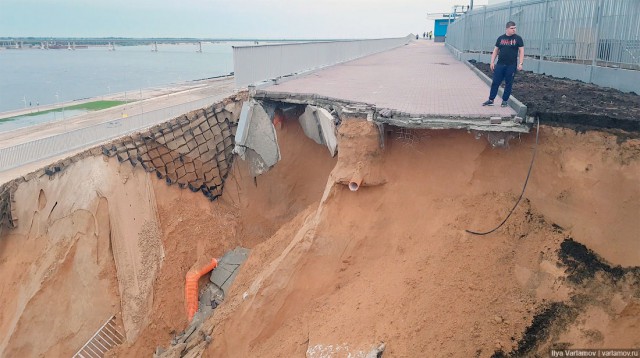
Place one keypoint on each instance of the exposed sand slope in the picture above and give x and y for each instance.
(392, 263)
(332, 269)
(59, 273)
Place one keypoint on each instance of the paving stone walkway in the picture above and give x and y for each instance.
(422, 79)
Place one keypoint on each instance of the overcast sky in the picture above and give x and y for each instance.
(268, 19)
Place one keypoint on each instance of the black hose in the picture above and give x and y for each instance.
(523, 188)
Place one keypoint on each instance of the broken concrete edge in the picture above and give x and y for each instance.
(394, 117)
(341, 107)
(318, 123)
(311, 99)
(256, 139)
(514, 103)
(482, 124)
(242, 132)
(229, 266)
(7, 189)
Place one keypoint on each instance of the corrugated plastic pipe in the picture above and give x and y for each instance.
(191, 287)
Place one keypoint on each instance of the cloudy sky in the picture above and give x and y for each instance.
(264, 19)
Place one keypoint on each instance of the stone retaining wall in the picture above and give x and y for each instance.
(193, 151)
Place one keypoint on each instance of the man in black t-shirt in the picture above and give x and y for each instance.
(510, 51)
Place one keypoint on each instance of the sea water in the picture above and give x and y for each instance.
(30, 78)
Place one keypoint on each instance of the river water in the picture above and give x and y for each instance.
(32, 77)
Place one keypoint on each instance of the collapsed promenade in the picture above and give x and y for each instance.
(384, 268)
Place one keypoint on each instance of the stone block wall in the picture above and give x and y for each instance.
(193, 151)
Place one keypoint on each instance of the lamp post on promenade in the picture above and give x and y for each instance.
(57, 105)
(54, 112)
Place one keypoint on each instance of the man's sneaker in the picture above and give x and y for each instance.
(504, 104)
(488, 103)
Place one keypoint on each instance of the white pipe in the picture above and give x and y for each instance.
(355, 182)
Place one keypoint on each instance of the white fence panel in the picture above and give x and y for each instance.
(264, 62)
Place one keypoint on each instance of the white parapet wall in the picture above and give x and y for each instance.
(253, 64)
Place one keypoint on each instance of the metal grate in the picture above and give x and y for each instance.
(107, 337)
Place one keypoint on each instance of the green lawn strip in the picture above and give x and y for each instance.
(97, 105)
(89, 106)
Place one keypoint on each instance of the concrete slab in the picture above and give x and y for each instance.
(227, 284)
(220, 275)
(418, 85)
(328, 127)
(236, 257)
(319, 125)
(310, 125)
(228, 267)
(256, 139)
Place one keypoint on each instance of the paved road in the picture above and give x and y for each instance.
(152, 99)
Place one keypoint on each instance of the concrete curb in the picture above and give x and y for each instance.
(514, 103)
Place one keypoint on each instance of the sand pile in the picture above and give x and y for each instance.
(338, 272)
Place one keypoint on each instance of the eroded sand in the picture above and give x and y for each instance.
(329, 267)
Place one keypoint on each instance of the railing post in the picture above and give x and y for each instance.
(598, 19)
(544, 34)
(465, 38)
(484, 21)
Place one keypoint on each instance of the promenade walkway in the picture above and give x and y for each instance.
(418, 85)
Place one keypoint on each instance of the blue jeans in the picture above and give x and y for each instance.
(500, 73)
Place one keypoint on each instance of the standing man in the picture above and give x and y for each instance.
(510, 51)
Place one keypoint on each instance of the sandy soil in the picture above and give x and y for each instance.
(393, 264)
(334, 272)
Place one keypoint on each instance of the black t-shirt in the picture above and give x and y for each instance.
(508, 46)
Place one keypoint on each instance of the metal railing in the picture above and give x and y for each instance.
(83, 138)
(105, 338)
(591, 32)
(264, 62)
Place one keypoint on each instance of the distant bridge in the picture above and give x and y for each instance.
(27, 42)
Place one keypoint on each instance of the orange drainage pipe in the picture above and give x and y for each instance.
(191, 287)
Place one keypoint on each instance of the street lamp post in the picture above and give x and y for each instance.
(54, 112)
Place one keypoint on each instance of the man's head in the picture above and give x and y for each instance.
(511, 28)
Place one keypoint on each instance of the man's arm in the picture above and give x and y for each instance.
(521, 57)
(496, 50)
